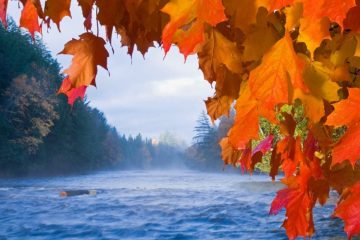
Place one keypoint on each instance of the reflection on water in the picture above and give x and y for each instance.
(148, 205)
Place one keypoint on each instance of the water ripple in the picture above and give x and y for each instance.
(148, 205)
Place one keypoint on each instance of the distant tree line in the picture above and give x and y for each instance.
(205, 152)
(40, 134)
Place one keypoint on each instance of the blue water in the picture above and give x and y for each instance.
(148, 205)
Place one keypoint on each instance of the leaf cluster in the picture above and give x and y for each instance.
(294, 63)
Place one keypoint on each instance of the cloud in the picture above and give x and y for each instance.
(174, 87)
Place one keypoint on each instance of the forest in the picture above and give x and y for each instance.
(41, 134)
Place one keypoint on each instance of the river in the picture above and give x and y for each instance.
(148, 205)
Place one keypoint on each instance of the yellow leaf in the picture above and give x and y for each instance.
(318, 79)
(357, 52)
(243, 13)
(293, 15)
(313, 31)
(313, 105)
(261, 37)
(187, 19)
(347, 49)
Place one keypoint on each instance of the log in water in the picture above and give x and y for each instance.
(72, 193)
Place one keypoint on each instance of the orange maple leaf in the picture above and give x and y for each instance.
(249, 158)
(3, 8)
(110, 13)
(241, 13)
(298, 202)
(71, 93)
(246, 125)
(312, 32)
(218, 106)
(352, 20)
(244, 13)
(215, 53)
(280, 71)
(334, 9)
(348, 209)
(262, 35)
(290, 153)
(86, 7)
(29, 16)
(346, 111)
(228, 153)
(187, 20)
(56, 10)
(245, 159)
(89, 51)
(348, 148)
(317, 15)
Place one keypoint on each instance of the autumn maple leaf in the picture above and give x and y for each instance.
(57, 10)
(246, 125)
(298, 202)
(218, 106)
(86, 7)
(262, 35)
(250, 157)
(71, 93)
(264, 145)
(229, 154)
(319, 87)
(298, 206)
(348, 209)
(346, 113)
(3, 8)
(280, 71)
(317, 15)
(30, 16)
(187, 20)
(89, 52)
(215, 53)
(352, 20)
(279, 4)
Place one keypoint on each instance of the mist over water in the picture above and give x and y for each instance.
(148, 205)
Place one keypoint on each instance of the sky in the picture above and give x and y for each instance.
(148, 96)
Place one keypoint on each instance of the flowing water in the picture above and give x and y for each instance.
(148, 205)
